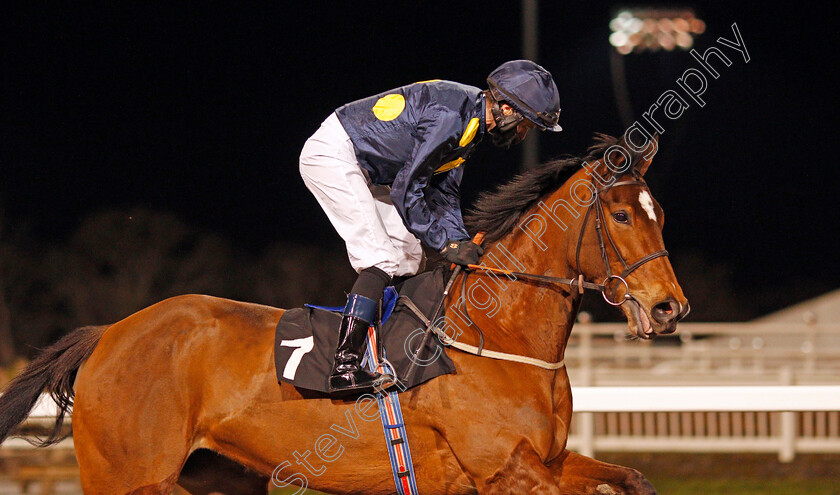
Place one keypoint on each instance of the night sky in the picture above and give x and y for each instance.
(203, 111)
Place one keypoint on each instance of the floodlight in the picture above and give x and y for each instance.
(640, 29)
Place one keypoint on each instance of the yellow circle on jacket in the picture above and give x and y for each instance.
(389, 107)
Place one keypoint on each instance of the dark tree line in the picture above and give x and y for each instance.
(120, 261)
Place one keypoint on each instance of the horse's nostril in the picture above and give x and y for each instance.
(665, 311)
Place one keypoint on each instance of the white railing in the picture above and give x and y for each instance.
(782, 419)
(707, 399)
(710, 352)
(767, 359)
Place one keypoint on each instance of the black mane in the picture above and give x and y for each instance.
(496, 213)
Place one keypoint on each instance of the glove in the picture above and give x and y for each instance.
(462, 252)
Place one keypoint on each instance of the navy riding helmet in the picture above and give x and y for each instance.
(530, 90)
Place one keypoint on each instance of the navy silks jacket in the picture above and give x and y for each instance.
(415, 138)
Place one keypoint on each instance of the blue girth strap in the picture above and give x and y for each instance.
(396, 438)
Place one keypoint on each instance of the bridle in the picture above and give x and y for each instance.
(579, 283)
(600, 220)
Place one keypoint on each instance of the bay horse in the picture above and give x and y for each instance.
(185, 391)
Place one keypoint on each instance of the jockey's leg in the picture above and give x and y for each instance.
(362, 304)
(408, 246)
(329, 168)
(330, 171)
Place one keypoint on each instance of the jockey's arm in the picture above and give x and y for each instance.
(443, 195)
(437, 134)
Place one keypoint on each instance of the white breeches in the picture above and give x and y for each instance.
(361, 212)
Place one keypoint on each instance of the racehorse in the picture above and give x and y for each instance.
(185, 391)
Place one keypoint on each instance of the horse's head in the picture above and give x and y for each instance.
(592, 217)
(620, 242)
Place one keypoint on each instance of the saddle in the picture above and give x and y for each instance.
(306, 338)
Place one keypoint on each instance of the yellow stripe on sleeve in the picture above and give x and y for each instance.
(446, 167)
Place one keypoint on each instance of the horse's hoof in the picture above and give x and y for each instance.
(605, 489)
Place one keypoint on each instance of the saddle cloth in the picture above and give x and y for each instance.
(306, 338)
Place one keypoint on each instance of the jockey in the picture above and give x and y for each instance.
(387, 171)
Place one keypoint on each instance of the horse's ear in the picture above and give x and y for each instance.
(613, 162)
(646, 157)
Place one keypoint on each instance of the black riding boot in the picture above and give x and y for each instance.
(347, 372)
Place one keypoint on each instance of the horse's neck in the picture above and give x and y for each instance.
(530, 318)
(516, 316)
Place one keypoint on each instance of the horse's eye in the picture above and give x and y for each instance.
(621, 217)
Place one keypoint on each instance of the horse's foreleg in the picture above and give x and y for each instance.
(578, 474)
(524, 472)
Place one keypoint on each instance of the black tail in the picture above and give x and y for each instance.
(53, 371)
